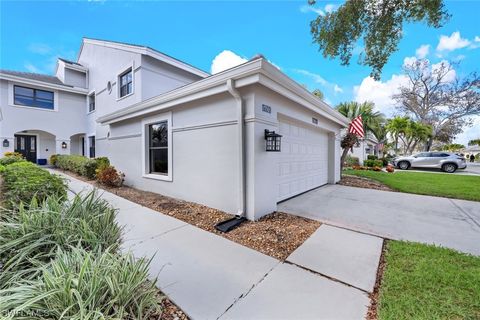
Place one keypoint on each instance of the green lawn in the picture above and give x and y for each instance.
(434, 184)
(427, 282)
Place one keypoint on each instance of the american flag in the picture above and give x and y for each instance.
(356, 126)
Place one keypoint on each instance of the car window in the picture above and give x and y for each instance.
(422, 154)
(440, 154)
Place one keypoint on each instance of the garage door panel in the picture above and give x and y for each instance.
(303, 162)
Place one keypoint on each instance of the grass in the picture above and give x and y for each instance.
(427, 282)
(433, 184)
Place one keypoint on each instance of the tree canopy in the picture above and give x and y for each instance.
(380, 24)
(372, 119)
(474, 142)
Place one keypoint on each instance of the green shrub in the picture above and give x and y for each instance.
(87, 285)
(373, 163)
(30, 237)
(53, 159)
(102, 162)
(385, 161)
(352, 161)
(372, 157)
(81, 165)
(22, 181)
(2, 168)
(11, 157)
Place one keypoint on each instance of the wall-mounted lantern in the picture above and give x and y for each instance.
(64, 145)
(273, 141)
(6, 143)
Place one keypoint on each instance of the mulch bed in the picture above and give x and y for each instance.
(372, 313)
(170, 311)
(360, 182)
(277, 234)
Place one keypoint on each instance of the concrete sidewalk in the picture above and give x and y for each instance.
(210, 277)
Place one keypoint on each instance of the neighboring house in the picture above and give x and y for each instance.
(175, 130)
(365, 147)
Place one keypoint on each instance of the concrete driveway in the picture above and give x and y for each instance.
(401, 216)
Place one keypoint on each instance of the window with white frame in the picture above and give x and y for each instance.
(91, 102)
(126, 83)
(157, 155)
(158, 148)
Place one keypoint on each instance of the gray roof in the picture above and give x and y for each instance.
(70, 62)
(35, 76)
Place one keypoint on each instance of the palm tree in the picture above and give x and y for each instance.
(372, 122)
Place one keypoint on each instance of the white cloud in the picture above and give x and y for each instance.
(31, 68)
(315, 77)
(422, 51)
(40, 48)
(450, 76)
(226, 60)
(329, 8)
(452, 42)
(380, 92)
(469, 133)
(337, 89)
(409, 61)
(477, 39)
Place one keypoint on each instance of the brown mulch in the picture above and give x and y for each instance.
(372, 313)
(170, 311)
(361, 182)
(277, 234)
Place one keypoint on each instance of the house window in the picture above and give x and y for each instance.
(158, 148)
(126, 83)
(30, 97)
(91, 102)
(91, 141)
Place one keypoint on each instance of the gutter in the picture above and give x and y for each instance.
(241, 147)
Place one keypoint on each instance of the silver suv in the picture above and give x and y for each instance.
(447, 161)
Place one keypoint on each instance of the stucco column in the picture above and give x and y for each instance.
(59, 146)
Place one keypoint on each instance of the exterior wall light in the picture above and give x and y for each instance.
(64, 145)
(6, 143)
(273, 141)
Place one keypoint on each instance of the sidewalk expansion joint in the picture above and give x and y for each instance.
(465, 213)
(243, 295)
(328, 277)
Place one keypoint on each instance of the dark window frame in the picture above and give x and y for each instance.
(124, 84)
(151, 148)
(91, 142)
(34, 98)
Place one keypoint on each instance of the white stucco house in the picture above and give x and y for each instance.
(173, 128)
(365, 147)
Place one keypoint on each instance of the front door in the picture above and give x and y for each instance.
(27, 146)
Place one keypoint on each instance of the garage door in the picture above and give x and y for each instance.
(303, 162)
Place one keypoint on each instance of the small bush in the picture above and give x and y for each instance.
(372, 157)
(351, 161)
(2, 168)
(11, 157)
(102, 162)
(385, 161)
(109, 176)
(87, 285)
(53, 159)
(390, 168)
(22, 181)
(373, 163)
(78, 164)
(31, 236)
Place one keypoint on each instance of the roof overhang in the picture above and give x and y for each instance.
(255, 71)
(146, 51)
(9, 77)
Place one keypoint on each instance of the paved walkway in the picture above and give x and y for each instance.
(210, 277)
(447, 222)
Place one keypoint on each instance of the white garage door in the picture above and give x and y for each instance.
(303, 161)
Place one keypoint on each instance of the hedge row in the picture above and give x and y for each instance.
(79, 164)
(22, 181)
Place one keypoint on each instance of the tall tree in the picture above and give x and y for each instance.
(453, 147)
(409, 132)
(435, 96)
(371, 120)
(474, 142)
(378, 22)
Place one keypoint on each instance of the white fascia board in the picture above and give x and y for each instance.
(149, 52)
(201, 87)
(255, 71)
(43, 84)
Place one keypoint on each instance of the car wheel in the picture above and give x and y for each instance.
(449, 167)
(403, 165)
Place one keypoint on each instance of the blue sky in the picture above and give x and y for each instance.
(33, 34)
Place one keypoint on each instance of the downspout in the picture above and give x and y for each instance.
(241, 147)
